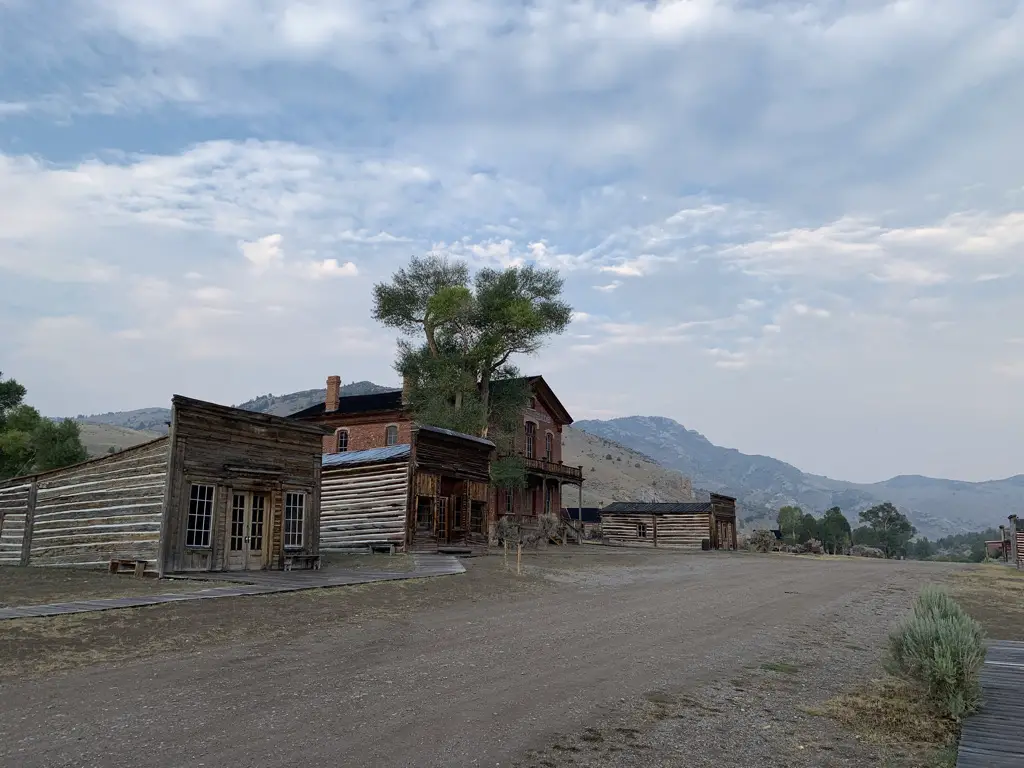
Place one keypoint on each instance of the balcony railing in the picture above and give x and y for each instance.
(553, 468)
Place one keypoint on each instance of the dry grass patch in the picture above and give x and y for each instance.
(994, 596)
(891, 711)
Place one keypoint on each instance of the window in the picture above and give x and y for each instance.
(476, 516)
(548, 446)
(342, 440)
(259, 506)
(200, 516)
(531, 439)
(508, 502)
(237, 522)
(547, 500)
(641, 530)
(391, 435)
(294, 519)
(424, 513)
(533, 403)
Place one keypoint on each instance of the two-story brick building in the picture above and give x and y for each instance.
(361, 422)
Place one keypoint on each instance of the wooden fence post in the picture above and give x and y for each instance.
(30, 517)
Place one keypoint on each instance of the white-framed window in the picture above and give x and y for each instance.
(531, 439)
(549, 446)
(391, 435)
(199, 524)
(294, 519)
(341, 440)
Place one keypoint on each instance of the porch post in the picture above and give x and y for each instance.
(29, 524)
(580, 516)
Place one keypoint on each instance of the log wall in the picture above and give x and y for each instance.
(13, 506)
(363, 504)
(88, 513)
(676, 531)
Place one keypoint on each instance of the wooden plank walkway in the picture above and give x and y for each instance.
(994, 736)
(250, 583)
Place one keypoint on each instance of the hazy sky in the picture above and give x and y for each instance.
(797, 227)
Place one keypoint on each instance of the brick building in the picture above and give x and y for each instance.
(362, 422)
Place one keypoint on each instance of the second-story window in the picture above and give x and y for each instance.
(548, 447)
(342, 440)
(391, 435)
(531, 439)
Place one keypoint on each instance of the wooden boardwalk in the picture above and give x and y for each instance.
(250, 583)
(994, 737)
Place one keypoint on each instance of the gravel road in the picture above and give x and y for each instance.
(477, 682)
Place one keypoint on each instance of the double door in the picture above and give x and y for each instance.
(247, 531)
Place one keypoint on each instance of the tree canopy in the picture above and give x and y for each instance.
(30, 443)
(789, 523)
(890, 529)
(835, 530)
(461, 335)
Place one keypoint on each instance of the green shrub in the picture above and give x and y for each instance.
(942, 649)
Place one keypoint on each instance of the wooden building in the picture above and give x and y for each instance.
(381, 420)
(427, 495)
(683, 525)
(226, 490)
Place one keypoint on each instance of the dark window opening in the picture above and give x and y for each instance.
(641, 530)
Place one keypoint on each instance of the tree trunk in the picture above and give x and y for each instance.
(485, 399)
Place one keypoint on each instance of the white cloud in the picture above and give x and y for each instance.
(803, 309)
(908, 272)
(609, 287)
(263, 254)
(331, 268)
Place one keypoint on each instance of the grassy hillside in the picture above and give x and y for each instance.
(98, 439)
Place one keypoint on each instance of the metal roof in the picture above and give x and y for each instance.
(371, 456)
(453, 433)
(670, 508)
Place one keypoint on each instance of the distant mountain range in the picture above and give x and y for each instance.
(763, 484)
(155, 420)
(649, 458)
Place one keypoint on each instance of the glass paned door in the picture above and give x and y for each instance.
(245, 534)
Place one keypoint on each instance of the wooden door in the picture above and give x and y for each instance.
(246, 531)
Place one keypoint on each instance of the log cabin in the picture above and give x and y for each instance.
(680, 525)
(428, 495)
(226, 489)
(381, 420)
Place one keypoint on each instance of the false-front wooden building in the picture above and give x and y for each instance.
(683, 525)
(427, 495)
(226, 490)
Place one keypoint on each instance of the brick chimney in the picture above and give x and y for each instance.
(406, 387)
(332, 401)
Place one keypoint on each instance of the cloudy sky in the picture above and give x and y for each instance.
(797, 227)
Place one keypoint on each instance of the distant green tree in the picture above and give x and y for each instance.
(30, 443)
(835, 530)
(808, 528)
(865, 536)
(891, 526)
(789, 523)
(921, 549)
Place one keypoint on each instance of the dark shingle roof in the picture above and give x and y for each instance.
(590, 514)
(453, 433)
(370, 456)
(670, 508)
(379, 401)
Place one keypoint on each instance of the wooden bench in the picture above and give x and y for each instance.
(128, 565)
(303, 560)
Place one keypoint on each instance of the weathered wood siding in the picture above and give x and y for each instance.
(458, 458)
(13, 505)
(88, 513)
(682, 531)
(110, 507)
(622, 529)
(238, 451)
(363, 504)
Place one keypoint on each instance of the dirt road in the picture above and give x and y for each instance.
(476, 680)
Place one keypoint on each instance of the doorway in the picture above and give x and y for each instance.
(246, 532)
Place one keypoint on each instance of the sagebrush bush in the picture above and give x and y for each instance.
(761, 541)
(941, 648)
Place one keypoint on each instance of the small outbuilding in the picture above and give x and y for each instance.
(682, 525)
(427, 495)
(227, 489)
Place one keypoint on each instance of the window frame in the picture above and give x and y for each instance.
(337, 439)
(549, 446)
(641, 530)
(288, 535)
(207, 531)
(387, 435)
(530, 432)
